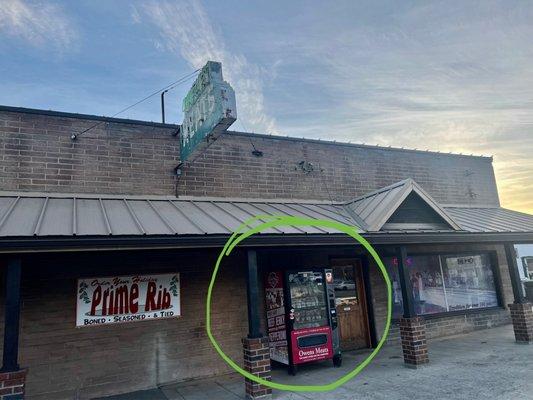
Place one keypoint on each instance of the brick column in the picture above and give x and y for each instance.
(257, 362)
(12, 385)
(414, 345)
(522, 316)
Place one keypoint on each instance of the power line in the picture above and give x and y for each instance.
(324, 182)
(168, 87)
(255, 152)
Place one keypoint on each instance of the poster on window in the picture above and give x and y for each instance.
(118, 299)
(275, 309)
(470, 282)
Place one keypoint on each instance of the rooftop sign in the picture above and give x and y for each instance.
(208, 110)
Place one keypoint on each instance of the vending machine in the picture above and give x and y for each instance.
(301, 317)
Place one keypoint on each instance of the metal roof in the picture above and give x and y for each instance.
(27, 214)
(62, 215)
(490, 219)
(376, 208)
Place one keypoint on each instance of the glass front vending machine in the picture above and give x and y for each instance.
(301, 317)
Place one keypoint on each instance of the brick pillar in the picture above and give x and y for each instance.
(522, 316)
(12, 385)
(414, 345)
(257, 362)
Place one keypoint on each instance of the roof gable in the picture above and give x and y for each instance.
(395, 204)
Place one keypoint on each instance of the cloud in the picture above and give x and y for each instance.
(37, 23)
(186, 30)
(431, 75)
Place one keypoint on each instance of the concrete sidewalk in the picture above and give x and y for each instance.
(484, 364)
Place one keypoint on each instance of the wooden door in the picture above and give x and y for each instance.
(350, 303)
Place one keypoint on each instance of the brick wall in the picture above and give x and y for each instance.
(228, 168)
(12, 385)
(37, 154)
(121, 157)
(522, 317)
(65, 361)
(456, 324)
(450, 324)
(257, 362)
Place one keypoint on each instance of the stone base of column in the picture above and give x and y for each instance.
(414, 345)
(522, 316)
(257, 362)
(12, 384)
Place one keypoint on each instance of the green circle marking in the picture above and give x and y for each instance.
(270, 221)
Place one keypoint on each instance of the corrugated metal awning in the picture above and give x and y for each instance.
(491, 219)
(27, 214)
(45, 215)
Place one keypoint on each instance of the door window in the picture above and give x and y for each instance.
(345, 285)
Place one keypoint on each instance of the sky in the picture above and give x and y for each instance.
(441, 75)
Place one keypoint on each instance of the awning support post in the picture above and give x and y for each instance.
(252, 286)
(12, 316)
(516, 283)
(521, 310)
(256, 349)
(412, 327)
(405, 283)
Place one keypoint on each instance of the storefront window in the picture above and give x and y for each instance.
(524, 258)
(391, 264)
(469, 282)
(427, 282)
(444, 283)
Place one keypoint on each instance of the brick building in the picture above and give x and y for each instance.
(110, 204)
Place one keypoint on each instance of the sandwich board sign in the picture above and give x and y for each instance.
(208, 110)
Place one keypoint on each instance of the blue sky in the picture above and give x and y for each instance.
(442, 75)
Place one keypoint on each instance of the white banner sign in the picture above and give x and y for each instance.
(127, 298)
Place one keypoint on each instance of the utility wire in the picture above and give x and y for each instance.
(168, 87)
(255, 152)
(324, 182)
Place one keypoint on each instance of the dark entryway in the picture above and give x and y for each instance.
(351, 303)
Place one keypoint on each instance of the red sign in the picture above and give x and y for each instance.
(275, 309)
(311, 344)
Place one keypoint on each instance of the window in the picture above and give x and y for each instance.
(391, 264)
(527, 263)
(428, 285)
(469, 282)
(344, 283)
(524, 258)
(444, 283)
